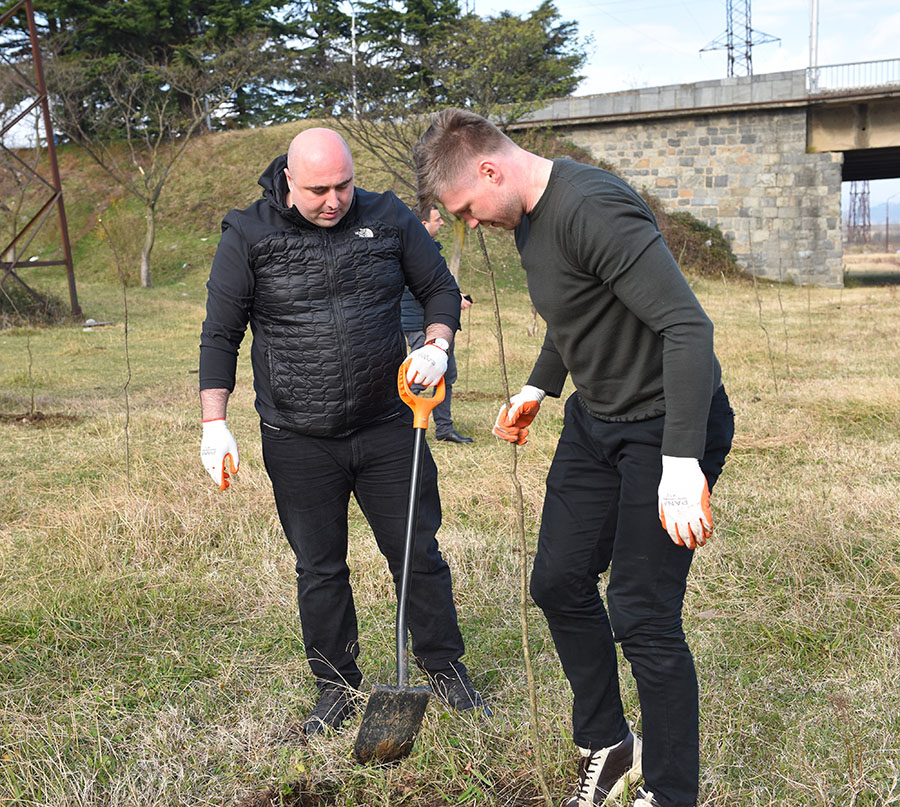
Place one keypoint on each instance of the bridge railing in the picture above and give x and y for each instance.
(853, 76)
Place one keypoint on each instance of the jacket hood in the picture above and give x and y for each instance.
(275, 190)
(274, 182)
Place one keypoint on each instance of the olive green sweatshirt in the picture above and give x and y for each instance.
(621, 318)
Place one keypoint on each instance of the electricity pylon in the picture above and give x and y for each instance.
(740, 50)
(859, 224)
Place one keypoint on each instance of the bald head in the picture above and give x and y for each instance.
(320, 176)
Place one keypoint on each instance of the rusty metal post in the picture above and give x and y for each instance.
(56, 186)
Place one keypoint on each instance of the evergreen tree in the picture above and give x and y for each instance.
(320, 78)
(502, 66)
(397, 41)
(156, 31)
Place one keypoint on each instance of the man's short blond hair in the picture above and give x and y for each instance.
(453, 139)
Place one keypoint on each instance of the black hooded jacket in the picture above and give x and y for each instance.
(323, 304)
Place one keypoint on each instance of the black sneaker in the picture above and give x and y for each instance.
(453, 687)
(645, 799)
(603, 774)
(335, 705)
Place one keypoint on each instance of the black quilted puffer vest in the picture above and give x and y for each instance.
(328, 302)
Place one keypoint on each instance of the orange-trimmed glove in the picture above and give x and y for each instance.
(684, 509)
(219, 452)
(428, 364)
(512, 421)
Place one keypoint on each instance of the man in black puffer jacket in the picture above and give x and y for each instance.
(317, 267)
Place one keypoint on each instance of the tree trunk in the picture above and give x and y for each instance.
(149, 238)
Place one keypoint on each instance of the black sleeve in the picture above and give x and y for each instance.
(644, 276)
(549, 373)
(229, 297)
(658, 293)
(427, 275)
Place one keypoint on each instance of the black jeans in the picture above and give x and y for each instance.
(312, 478)
(601, 512)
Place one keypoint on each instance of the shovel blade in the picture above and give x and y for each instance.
(389, 726)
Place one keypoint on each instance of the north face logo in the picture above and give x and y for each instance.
(364, 232)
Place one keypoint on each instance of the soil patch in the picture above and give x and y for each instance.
(40, 420)
(518, 790)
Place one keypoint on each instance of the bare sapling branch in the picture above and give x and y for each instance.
(523, 547)
(765, 330)
(124, 283)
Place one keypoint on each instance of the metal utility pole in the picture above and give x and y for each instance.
(813, 45)
(739, 38)
(859, 230)
(15, 248)
(887, 222)
(354, 97)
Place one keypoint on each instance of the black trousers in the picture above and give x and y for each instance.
(313, 478)
(601, 512)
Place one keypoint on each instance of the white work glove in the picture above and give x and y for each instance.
(523, 407)
(684, 502)
(429, 363)
(219, 452)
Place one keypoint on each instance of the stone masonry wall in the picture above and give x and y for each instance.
(747, 172)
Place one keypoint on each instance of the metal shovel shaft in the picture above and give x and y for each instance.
(412, 517)
(394, 714)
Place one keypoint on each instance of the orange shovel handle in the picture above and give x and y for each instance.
(421, 407)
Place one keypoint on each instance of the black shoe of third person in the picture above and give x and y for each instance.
(452, 685)
(336, 704)
(453, 436)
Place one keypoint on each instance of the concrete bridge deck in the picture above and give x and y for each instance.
(762, 157)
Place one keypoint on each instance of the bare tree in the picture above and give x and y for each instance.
(139, 135)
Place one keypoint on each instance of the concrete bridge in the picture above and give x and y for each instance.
(762, 157)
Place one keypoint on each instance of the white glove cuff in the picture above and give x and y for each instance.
(212, 427)
(440, 342)
(532, 393)
(680, 465)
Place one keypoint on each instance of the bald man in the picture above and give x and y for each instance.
(317, 267)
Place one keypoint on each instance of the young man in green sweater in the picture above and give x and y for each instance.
(644, 439)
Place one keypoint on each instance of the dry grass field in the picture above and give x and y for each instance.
(150, 651)
(871, 268)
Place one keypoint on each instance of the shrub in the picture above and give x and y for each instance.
(19, 308)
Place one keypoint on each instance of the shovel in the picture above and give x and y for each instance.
(394, 714)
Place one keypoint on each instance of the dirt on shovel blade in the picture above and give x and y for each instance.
(392, 720)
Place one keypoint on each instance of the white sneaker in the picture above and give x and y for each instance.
(645, 799)
(603, 774)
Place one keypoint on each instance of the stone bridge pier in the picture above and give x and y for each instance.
(740, 154)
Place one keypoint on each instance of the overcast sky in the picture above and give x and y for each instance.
(647, 43)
